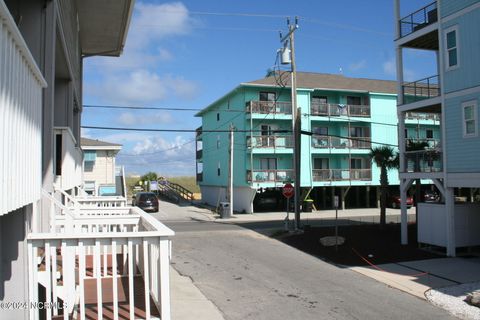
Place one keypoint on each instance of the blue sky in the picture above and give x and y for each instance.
(186, 54)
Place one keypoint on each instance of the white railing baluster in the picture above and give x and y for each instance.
(165, 313)
(146, 279)
(99, 279)
(114, 280)
(53, 252)
(82, 268)
(32, 285)
(48, 289)
(105, 261)
(130, 280)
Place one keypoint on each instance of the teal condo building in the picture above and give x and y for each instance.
(342, 118)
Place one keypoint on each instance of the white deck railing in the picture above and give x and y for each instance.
(115, 244)
(21, 84)
(113, 201)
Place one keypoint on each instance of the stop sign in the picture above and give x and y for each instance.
(288, 190)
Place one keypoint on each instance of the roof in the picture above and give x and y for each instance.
(103, 26)
(91, 144)
(320, 81)
(311, 80)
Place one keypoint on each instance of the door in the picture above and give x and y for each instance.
(363, 135)
(319, 105)
(321, 169)
(267, 138)
(268, 167)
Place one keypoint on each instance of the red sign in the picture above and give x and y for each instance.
(288, 190)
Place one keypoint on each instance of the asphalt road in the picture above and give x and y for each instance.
(249, 276)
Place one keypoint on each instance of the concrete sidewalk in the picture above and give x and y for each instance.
(188, 302)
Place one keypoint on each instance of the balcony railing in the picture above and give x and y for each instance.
(269, 107)
(423, 161)
(422, 116)
(430, 143)
(200, 177)
(279, 175)
(273, 141)
(21, 84)
(329, 109)
(341, 174)
(419, 19)
(330, 142)
(69, 158)
(121, 255)
(421, 89)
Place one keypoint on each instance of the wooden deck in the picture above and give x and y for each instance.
(91, 311)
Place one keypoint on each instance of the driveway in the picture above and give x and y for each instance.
(250, 276)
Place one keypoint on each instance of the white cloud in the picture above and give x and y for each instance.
(362, 64)
(140, 87)
(390, 69)
(131, 118)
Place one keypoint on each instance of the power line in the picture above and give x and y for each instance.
(156, 152)
(142, 108)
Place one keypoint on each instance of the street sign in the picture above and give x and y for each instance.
(288, 190)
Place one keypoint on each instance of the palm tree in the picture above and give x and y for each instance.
(416, 145)
(385, 158)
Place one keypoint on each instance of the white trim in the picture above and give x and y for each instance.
(474, 104)
(461, 12)
(457, 47)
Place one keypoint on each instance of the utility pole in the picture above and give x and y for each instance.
(296, 123)
(230, 171)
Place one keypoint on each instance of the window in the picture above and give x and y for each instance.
(451, 48)
(321, 163)
(319, 100)
(267, 96)
(58, 154)
(406, 133)
(429, 133)
(218, 169)
(358, 163)
(268, 164)
(218, 116)
(354, 101)
(470, 122)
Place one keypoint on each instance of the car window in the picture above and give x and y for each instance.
(147, 197)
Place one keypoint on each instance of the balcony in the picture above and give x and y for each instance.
(269, 107)
(427, 161)
(68, 159)
(275, 176)
(330, 142)
(199, 154)
(422, 116)
(270, 142)
(429, 143)
(21, 88)
(330, 109)
(418, 19)
(101, 262)
(319, 175)
(421, 89)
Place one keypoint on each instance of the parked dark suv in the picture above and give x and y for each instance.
(146, 201)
